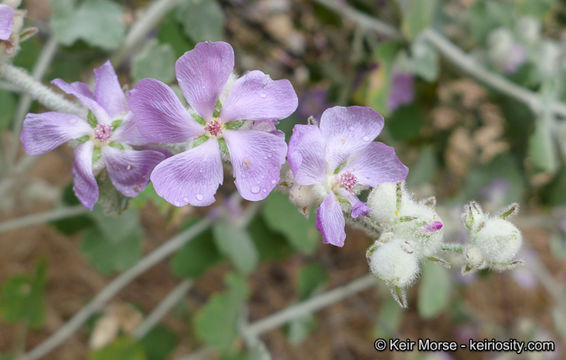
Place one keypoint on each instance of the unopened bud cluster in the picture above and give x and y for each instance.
(412, 233)
(494, 241)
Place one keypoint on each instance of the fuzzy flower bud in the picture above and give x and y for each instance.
(422, 227)
(494, 241)
(392, 263)
(499, 241)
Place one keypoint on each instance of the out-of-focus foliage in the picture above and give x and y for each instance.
(22, 299)
(97, 22)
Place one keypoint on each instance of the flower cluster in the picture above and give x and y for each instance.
(149, 134)
(228, 118)
(105, 137)
(412, 232)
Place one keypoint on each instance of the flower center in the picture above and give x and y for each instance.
(348, 180)
(214, 127)
(103, 132)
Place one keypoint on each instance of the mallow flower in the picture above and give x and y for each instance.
(227, 118)
(103, 137)
(339, 158)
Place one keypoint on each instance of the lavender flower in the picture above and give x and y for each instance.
(103, 135)
(224, 117)
(339, 158)
(402, 91)
(6, 21)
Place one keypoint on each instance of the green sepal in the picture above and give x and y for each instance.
(199, 140)
(199, 119)
(116, 145)
(96, 154)
(83, 139)
(233, 125)
(217, 109)
(340, 167)
(91, 119)
(116, 123)
(223, 146)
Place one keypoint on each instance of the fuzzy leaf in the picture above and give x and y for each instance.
(97, 22)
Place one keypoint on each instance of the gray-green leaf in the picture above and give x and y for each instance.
(154, 61)
(97, 22)
(236, 244)
(202, 19)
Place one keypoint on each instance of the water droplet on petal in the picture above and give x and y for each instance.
(366, 138)
(129, 167)
(263, 95)
(274, 181)
(264, 190)
(199, 197)
(255, 189)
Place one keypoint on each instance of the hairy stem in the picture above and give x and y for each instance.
(39, 70)
(37, 90)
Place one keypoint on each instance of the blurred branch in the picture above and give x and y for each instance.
(156, 11)
(114, 287)
(312, 305)
(453, 54)
(37, 74)
(365, 21)
(40, 218)
(162, 309)
(470, 66)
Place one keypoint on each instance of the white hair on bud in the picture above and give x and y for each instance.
(382, 202)
(474, 257)
(392, 264)
(499, 240)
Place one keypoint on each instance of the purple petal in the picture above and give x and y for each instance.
(108, 91)
(6, 20)
(256, 158)
(46, 131)
(255, 96)
(128, 132)
(347, 130)
(160, 116)
(358, 207)
(84, 184)
(402, 92)
(79, 91)
(377, 163)
(330, 221)
(129, 170)
(202, 74)
(191, 177)
(306, 155)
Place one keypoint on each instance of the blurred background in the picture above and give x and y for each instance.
(463, 133)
